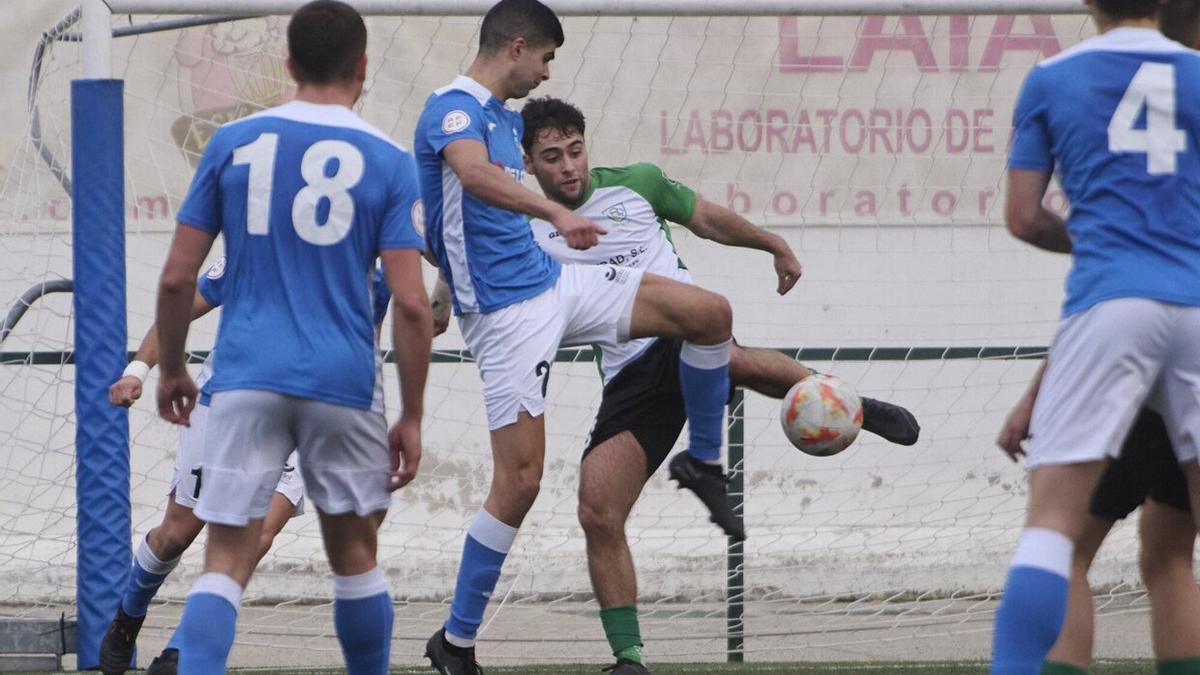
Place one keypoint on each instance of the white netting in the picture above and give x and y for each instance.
(875, 146)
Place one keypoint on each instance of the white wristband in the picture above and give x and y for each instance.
(138, 369)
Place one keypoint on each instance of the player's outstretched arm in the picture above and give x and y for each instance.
(1027, 217)
(711, 221)
(1016, 426)
(128, 388)
(412, 332)
(176, 390)
(492, 185)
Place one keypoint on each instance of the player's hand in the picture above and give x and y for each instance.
(579, 232)
(404, 441)
(1016, 429)
(176, 397)
(125, 391)
(787, 268)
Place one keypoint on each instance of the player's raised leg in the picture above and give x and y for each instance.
(703, 320)
(772, 373)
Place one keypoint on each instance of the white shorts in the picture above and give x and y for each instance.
(343, 455)
(188, 479)
(514, 347)
(1104, 363)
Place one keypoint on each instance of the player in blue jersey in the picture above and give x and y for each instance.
(160, 551)
(307, 196)
(1116, 119)
(516, 305)
(1145, 475)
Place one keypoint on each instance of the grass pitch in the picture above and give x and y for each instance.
(870, 668)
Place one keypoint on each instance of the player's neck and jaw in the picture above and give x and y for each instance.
(338, 92)
(514, 71)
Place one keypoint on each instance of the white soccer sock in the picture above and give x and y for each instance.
(358, 586)
(1046, 550)
(220, 585)
(150, 562)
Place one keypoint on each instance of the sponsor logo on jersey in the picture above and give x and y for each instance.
(617, 213)
(455, 121)
(617, 274)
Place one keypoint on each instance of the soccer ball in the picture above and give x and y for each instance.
(821, 415)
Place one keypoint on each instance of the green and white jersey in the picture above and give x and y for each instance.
(634, 203)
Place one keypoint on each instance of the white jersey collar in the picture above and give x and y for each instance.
(1123, 39)
(322, 114)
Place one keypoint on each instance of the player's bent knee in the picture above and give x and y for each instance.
(710, 319)
(514, 492)
(600, 521)
(173, 537)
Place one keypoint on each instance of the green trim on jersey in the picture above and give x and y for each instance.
(672, 201)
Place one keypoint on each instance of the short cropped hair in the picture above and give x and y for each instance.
(1180, 21)
(1130, 9)
(542, 114)
(326, 38)
(508, 20)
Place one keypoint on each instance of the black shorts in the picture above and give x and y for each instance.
(646, 400)
(1146, 468)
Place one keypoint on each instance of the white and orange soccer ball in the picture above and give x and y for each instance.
(821, 415)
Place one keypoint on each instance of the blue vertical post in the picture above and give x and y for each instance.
(101, 429)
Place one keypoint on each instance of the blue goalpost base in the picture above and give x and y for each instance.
(101, 430)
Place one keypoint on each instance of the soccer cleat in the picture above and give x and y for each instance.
(708, 482)
(116, 649)
(448, 659)
(627, 667)
(166, 663)
(894, 423)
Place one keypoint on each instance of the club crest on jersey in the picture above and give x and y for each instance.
(217, 270)
(616, 213)
(418, 217)
(455, 121)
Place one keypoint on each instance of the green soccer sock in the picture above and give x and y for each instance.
(1178, 667)
(621, 629)
(1060, 668)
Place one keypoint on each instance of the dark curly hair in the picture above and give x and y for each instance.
(326, 39)
(1180, 21)
(541, 114)
(1130, 9)
(508, 20)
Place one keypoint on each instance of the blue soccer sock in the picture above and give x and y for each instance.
(362, 615)
(206, 630)
(146, 575)
(484, 551)
(1031, 614)
(704, 378)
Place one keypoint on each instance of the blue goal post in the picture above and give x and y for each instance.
(98, 245)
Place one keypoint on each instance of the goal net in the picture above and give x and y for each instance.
(874, 145)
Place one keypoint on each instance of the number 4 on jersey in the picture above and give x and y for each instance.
(1152, 89)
